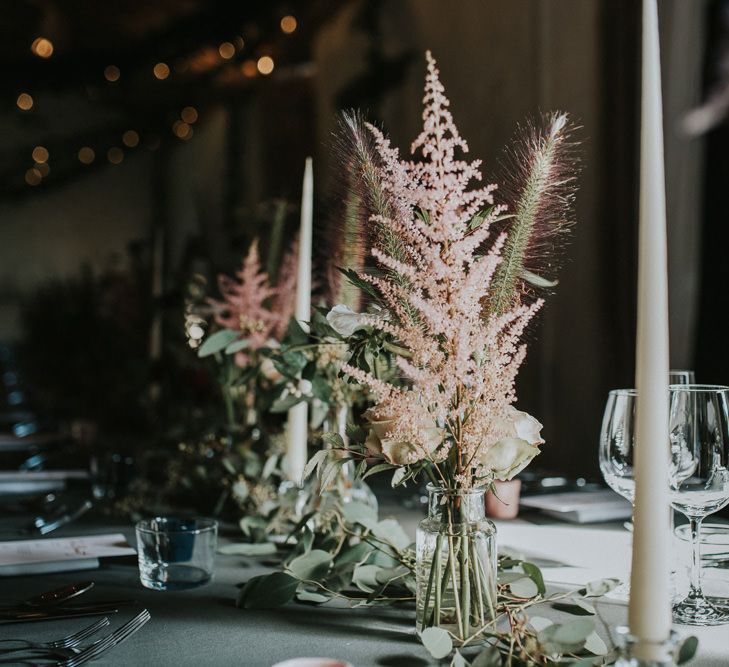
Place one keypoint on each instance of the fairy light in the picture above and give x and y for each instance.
(43, 168)
(86, 155)
(249, 68)
(130, 139)
(239, 42)
(42, 47)
(40, 154)
(288, 24)
(112, 73)
(181, 130)
(115, 155)
(24, 102)
(265, 65)
(33, 176)
(226, 50)
(161, 71)
(189, 115)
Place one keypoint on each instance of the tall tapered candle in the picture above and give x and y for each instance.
(650, 603)
(297, 426)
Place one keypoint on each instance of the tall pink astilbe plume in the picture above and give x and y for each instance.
(251, 306)
(461, 362)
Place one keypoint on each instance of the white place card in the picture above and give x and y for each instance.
(60, 554)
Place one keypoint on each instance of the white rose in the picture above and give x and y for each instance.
(398, 452)
(305, 387)
(518, 424)
(345, 321)
(508, 457)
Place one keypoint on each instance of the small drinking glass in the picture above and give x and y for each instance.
(699, 478)
(176, 554)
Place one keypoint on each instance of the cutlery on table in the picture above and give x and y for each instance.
(77, 655)
(52, 598)
(69, 641)
(103, 645)
(26, 616)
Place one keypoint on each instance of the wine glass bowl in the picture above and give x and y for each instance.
(617, 442)
(699, 478)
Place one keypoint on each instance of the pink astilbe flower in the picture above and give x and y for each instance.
(252, 307)
(461, 360)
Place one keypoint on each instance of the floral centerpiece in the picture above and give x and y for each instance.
(454, 274)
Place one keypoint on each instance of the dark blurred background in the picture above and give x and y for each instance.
(145, 142)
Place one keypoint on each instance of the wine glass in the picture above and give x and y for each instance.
(681, 376)
(699, 478)
(617, 439)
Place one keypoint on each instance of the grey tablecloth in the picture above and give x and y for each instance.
(203, 626)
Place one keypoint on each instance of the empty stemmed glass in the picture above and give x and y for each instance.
(617, 439)
(699, 440)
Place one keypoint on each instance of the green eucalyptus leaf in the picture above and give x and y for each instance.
(353, 555)
(437, 641)
(295, 335)
(524, 588)
(356, 512)
(311, 566)
(310, 596)
(573, 632)
(687, 650)
(595, 644)
(217, 342)
(248, 549)
(268, 591)
(539, 623)
(391, 532)
(507, 578)
(365, 577)
(388, 575)
(575, 606)
(237, 346)
(535, 574)
(283, 404)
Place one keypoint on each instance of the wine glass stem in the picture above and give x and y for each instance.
(695, 591)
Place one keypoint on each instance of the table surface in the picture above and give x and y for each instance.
(203, 626)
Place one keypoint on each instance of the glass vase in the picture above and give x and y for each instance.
(456, 564)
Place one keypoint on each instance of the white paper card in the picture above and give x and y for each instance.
(23, 552)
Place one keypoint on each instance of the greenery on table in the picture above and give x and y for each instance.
(348, 553)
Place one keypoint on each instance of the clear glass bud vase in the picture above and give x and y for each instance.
(456, 564)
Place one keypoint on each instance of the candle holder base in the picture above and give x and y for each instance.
(633, 653)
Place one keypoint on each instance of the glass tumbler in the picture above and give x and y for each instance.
(176, 554)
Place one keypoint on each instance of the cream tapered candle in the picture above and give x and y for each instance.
(650, 602)
(297, 426)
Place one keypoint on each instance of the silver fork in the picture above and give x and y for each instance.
(64, 642)
(115, 638)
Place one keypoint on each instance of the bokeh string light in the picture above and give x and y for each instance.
(86, 155)
(24, 102)
(112, 73)
(265, 65)
(288, 24)
(161, 71)
(228, 50)
(42, 47)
